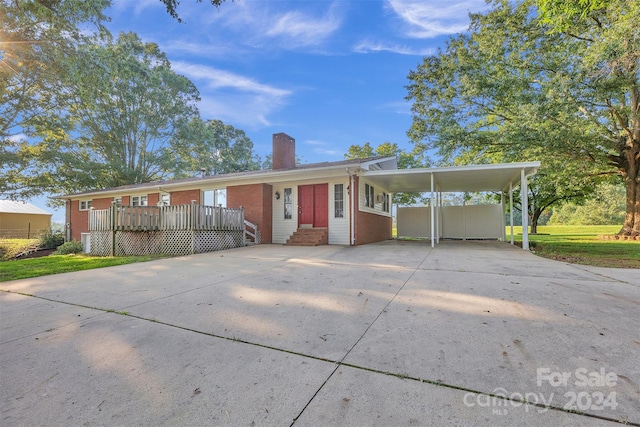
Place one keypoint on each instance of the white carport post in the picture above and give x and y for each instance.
(525, 210)
(433, 242)
(439, 214)
(503, 219)
(511, 210)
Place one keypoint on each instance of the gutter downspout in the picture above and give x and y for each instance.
(431, 201)
(352, 207)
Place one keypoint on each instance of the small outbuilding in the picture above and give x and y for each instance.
(22, 220)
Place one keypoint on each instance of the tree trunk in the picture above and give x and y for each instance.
(533, 220)
(631, 176)
(631, 226)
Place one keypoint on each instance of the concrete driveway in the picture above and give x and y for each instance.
(394, 333)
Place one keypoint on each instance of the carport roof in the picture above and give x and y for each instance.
(492, 177)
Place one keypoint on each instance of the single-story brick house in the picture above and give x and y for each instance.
(335, 197)
(345, 202)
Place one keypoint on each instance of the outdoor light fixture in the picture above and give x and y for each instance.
(277, 195)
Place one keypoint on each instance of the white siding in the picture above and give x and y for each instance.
(339, 227)
(377, 209)
(284, 228)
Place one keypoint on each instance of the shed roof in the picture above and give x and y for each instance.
(12, 206)
(491, 177)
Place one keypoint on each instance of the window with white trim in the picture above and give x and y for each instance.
(85, 205)
(215, 197)
(139, 200)
(369, 196)
(288, 203)
(385, 202)
(164, 199)
(338, 200)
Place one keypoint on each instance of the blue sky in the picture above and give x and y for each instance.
(328, 73)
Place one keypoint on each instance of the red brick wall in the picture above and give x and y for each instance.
(184, 197)
(79, 220)
(257, 200)
(152, 199)
(372, 228)
(104, 203)
(126, 200)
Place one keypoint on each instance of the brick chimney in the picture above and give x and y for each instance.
(284, 151)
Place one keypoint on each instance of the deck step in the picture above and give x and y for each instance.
(309, 237)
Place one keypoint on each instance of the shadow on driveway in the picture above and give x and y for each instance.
(468, 333)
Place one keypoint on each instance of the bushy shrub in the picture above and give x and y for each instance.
(72, 247)
(49, 240)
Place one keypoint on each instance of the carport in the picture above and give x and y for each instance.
(503, 178)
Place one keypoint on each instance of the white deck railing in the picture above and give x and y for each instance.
(178, 217)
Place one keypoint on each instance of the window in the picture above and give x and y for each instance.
(85, 205)
(338, 204)
(138, 200)
(215, 197)
(288, 203)
(385, 202)
(118, 201)
(369, 198)
(164, 199)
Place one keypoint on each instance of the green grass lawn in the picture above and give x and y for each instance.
(54, 264)
(579, 244)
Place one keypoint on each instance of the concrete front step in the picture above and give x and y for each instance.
(309, 237)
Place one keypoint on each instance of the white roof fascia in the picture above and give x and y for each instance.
(220, 181)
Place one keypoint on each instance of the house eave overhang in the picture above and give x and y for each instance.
(268, 177)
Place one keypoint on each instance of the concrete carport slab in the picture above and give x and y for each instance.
(383, 334)
(501, 177)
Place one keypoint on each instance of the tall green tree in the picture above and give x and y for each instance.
(406, 160)
(605, 207)
(213, 147)
(38, 46)
(515, 88)
(122, 123)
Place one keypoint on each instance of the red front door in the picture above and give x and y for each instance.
(305, 204)
(313, 205)
(321, 204)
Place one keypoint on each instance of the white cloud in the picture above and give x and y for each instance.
(233, 97)
(260, 23)
(297, 29)
(321, 147)
(367, 46)
(432, 19)
(207, 49)
(138, 5)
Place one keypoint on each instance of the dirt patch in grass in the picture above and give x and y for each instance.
(37, 254)
(597, 262)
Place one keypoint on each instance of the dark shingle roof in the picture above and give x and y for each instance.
(266, 172)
